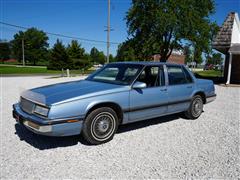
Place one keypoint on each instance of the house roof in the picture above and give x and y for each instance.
(222, 41)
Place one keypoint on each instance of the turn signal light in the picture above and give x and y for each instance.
(72, 120)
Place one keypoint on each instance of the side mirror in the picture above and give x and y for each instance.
(139, 85)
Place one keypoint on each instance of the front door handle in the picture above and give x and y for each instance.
(189, 87)
(165, 89)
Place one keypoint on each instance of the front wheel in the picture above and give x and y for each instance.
(196, 108)
(100, 125)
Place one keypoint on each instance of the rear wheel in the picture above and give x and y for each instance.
(196, 107)
(100, 125)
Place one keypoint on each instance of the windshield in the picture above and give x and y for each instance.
(123, 74)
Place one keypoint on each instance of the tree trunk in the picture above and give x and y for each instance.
(163, 59)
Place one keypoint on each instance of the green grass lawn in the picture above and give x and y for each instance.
(7, 69)
(209, 73)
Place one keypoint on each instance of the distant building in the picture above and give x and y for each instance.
(176, 57)
(227, 42)
(11, 60)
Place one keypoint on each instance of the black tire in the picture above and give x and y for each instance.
(195, 109)
(100, 125)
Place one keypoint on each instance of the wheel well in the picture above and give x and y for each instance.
(114, 106)
(202, 95)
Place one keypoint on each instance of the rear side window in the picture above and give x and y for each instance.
(188, 76)
(176, 75)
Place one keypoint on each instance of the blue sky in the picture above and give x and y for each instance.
(80, 18)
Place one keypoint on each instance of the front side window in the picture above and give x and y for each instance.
(153, 76)
(122, 74)
(176, 75)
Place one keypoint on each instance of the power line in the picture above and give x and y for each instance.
(60, 35)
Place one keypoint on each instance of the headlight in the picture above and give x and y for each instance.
(43, 111)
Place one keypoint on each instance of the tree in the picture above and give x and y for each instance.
(188, 53)
(94, 54)
(35, 45)
(5, 50)
(82, 63)
(75, 51)
(111, 58)
(59, 57)
(101, 58)
(159, 26)
(97, 56)
(198, 55)
(77, 54)
(215, 59)
(125, 52)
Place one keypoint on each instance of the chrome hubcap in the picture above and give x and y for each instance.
(103, 126)
(197, 107)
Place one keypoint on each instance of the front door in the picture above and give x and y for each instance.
(151, 101)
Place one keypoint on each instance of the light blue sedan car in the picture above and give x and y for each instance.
(118, 93)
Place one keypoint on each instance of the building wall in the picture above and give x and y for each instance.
(235, 31)
(174, 58)
(235, 72)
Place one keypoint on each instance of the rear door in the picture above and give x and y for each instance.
(151, 101)
(180, 88)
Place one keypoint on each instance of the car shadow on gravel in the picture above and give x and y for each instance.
(149, 122)
(46, 142)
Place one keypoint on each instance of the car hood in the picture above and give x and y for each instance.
(62, 92)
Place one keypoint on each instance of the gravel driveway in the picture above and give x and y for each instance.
(167, 147)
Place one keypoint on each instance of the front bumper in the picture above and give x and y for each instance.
(57, 127)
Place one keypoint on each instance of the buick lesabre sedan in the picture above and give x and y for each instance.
(118, 93)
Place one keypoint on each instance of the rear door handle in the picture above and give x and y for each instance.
(189, 87)
(163, 89)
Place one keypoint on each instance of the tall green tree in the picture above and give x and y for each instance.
(111, 58)
(77, 54)
(5, 50)
(125, 52)
(159, 26)
(94, 54)
(188, 53)
(59, 57)
(101, 58)
(97, 56)
(35, 45)
(75, 51)
(197, 55)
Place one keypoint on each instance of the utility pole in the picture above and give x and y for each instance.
(108, 32)
(23, 55)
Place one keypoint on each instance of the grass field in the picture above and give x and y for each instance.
(12, 69)
(209, 73)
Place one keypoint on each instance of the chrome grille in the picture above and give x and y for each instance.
(26, 105)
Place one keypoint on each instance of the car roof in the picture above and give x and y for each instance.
(145, 63)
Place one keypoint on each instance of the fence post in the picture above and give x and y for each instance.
(68, 74)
